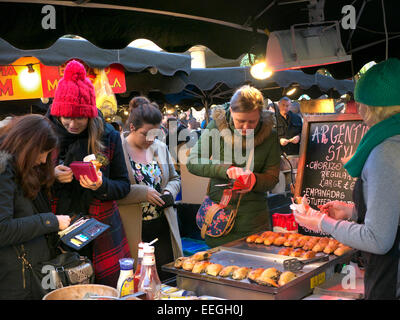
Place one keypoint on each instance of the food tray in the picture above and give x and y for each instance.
(254, 256)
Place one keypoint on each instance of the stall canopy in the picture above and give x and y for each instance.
(228, 28)
(215, 85)
(132, 59)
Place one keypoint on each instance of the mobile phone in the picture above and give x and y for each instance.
(80, 168)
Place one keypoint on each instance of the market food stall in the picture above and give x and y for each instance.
(327, 141)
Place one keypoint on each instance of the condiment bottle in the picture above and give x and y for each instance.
(125, 284)
(149, 282)
(138, 266)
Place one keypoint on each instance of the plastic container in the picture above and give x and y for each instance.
(125, 284)
(149, 281)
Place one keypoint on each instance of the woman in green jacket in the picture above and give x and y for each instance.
(235, 124)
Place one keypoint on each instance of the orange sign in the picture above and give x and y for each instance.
(51, 76)
(17, 81)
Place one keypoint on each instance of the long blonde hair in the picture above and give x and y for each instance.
(373, 115)
(95, 131)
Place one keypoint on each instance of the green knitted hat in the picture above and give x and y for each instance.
(380, 85)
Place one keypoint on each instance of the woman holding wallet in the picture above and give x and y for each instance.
(26, 175)
(83, 131)
(154, 186)
(214, 156)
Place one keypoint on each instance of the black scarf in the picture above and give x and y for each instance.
(72, 198)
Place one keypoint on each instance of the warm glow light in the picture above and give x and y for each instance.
(30, 81)
(291, 91)
(260, 71)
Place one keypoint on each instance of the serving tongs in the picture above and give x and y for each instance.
(295, 265)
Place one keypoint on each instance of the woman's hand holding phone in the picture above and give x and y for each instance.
(153, 197)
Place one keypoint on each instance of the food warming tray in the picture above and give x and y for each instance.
(252, 255)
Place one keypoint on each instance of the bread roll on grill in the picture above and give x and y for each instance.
(259, 239)
(252, 238)
(178, 262)
(240, 273)
(228, 271)
(200, 266)
(188, 264)
(297, 252)
(332, 246)
(279, 241)
(310, 243)
(214, 269)
(270, 239)
(308, 255)
(320, 246)
(254, 274)
(201, 255)
(285, 251)
(286, 277)
(300, 242)
(342, 250)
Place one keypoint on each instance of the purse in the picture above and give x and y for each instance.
(68, 268)
(215, 220)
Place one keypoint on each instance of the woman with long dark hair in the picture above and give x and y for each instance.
(26, 175)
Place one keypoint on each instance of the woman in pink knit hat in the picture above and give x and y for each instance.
(83, 131)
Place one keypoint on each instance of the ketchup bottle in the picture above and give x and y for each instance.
(149, 282)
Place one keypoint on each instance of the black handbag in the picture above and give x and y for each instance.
(68, 268)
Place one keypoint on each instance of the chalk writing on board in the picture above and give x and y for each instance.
(330, 145)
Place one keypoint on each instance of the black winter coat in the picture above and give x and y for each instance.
(288, 128)
(20, 224)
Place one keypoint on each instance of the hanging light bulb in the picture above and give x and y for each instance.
(30, 68)
(29, 80)
(260, 71)
(291, 91)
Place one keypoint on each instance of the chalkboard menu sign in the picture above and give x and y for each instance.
(328, 141)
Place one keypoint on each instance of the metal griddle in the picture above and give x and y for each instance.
(254, 256)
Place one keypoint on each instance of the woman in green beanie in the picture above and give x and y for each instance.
(215, 156)
(372, 223)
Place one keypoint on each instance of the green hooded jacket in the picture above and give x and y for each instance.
(253, 214)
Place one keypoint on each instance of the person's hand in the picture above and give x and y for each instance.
(153, 197)
(311, 220)
(337, 210)
(252, 181)
(63, 221)
(283, 141)
(234, 172)
(295, 139)
(89, 184)
(63, 174)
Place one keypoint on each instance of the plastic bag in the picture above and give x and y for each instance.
(105, 98)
